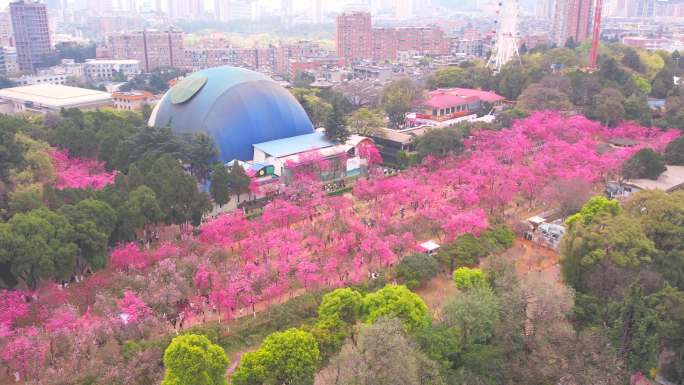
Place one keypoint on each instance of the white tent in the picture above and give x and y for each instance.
(430, 246)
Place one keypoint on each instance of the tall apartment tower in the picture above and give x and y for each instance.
(572, 19)
(31, 34)
(642, 8)
(354, 35)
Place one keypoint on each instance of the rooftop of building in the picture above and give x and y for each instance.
(295, 144)
(404, 136)
(112, 61)
(316, 141)
(133, 95)
(446, 100)
(55, 95)
(670, 180)
(485, 96)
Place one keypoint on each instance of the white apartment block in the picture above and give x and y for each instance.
(99, 69)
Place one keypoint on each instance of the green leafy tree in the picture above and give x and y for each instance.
(608, 107)
(417, 269)
(192, 359)
(497, 238)
(140, 210)
(474, 314)
(637, 109)
(345, 304)
(176, 191)
(317, 108)
(93, 222)
(10, 151)
(38, 245)
(598, 256)
(466, 250)
(632, 60)
(441, 343)
(238, 180)
(220, 185)
(661, 216)
(330, 334)
(397, 301)
(396, 99)
(674, 153)
(365, 122)
(636, 331)
(336, 127)
(669, 303)
(447, 77)
(200, 153)
(467, 278)
(612, 73)
(512, 80)
(646, 163)
(537, 97)
(252, 369)
(440, 142)
(25, 198)
(662, 83)
(289, 357)
(594, 206)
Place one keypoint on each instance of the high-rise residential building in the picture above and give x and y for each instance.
(154, 49)
(642, 8)
(354, 35)
(6, 38)
(388, 42)
(356, 39)
(544, 9)
(222, 10)
(572, 19)
(31, 34)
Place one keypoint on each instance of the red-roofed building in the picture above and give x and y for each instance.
(132, 101)
(451, 103)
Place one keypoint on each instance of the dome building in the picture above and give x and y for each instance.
(234, 106)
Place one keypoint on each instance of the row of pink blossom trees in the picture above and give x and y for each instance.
(306, 239)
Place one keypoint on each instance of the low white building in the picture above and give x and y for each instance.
(279, 153)
(45, 98)
(68, 72)
(99, 69)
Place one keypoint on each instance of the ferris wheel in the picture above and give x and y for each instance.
(505, 45)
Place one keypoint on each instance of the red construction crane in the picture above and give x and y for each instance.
(596, 36)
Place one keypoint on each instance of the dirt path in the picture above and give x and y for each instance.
(531, 258)
(436, 293)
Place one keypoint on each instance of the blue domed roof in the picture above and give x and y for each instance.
(234, 106)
